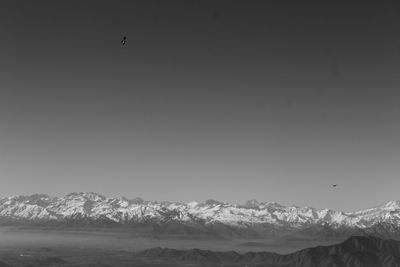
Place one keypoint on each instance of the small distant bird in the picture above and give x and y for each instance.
(123, 41)
(334, 185)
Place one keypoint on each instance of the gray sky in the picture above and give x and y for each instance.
(231, 100)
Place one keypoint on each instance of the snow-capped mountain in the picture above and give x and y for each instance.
(92, 207)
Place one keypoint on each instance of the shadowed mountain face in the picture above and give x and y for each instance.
(355, 251)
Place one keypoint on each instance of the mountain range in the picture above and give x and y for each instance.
(211, 217)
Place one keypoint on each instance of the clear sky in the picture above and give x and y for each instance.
(230, 100)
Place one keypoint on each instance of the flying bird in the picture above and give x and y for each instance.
(123, 41)
(334, 185)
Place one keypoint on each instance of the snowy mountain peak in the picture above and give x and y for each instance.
(193, 204)
(86, 195)
(392, 205)
(212, 202)
(137, 200)
(35, 199)
(253, 203)
(274, 204)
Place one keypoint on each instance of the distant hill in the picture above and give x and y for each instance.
(356, 251)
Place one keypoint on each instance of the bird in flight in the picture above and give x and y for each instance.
(123, 41)
(334, 185)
